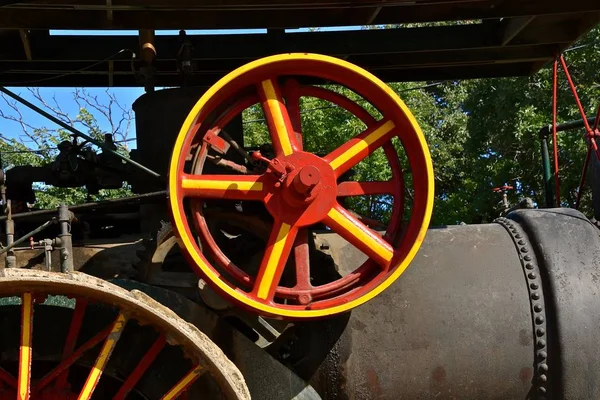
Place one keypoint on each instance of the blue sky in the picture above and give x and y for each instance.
(126, 96)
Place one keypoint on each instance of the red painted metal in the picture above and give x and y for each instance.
(591, 132)
(8, 378)
(216, 142)
(554, 140)
(141, 368)
(76, 321)
(287, 196)
(66, 363)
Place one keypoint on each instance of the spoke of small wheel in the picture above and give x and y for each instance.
(184, 383)
(141, 368)
(56, 371)
(74, 328)
(24, 379)
(291, 92)
(278, 250)
(103, 357)
(8, 378)
(278, 119)
(302, 260)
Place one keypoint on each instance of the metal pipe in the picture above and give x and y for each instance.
(547, 130)
(95, 204)
(77, 132)
(66, 244)
(11, 258)
(26, 236)
(547, 171)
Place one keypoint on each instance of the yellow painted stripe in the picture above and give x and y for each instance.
(25, 351)
(183, 383)
(267, 279)
(102, 360)
(207, 184)
(187, 238)
(280, 127)
(362, 145)
(338, 217)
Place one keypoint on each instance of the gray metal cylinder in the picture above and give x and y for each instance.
(457, 324)
(159, 116)
(508, 310)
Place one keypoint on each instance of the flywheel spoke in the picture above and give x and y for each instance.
(351, 188)
(141, 368)
(358, 234)
(358, 148)
(184, 383)
(273, 263)
(102, 360)
(278, 118)
(232, 187)
(291, 92)
(25, 349)
(302, 260)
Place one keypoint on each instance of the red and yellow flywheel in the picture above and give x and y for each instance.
(300, 189)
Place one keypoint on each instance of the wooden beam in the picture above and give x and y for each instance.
(212, 48)
(26, 43)
(109, 11)
(111, 67)
(511, 27)
(196, 16)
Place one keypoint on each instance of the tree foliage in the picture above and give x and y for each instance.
(37, 145)
(482, 133)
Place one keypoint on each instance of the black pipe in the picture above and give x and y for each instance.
(95, 204)
(547, 130)
(77, 132)
(28, 235)
(547, 170)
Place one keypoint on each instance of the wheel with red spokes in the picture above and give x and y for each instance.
(74, 336)
(300, 189)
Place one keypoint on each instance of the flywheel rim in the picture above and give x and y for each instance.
(297, 64)
(33, 285)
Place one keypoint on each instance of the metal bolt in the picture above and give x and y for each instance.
(543, 368)
(524, 249)
(527, 258)
(538, 308)
(535, 296)
(521, 242)
(541, 344)
(543, 378)
(542, 389)
(532, 275)
(519, 236)
(529, 266)
(540, 331)
(539, 320)
(543, 355)
(535, 286)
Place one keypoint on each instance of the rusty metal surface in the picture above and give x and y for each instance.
(142, 307)
(266, 377)
(568, 248)
(101, 257)
(456, 325)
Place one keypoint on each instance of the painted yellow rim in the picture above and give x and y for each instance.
(207, 270)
